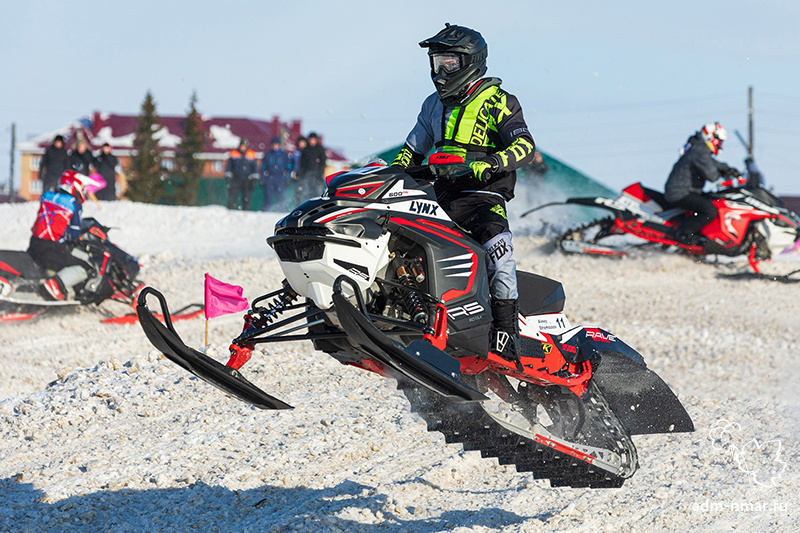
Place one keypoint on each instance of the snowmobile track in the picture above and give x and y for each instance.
(577, 234)
(469, 425)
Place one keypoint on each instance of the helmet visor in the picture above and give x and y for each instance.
(449, 62)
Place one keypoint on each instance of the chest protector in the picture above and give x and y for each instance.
(471, 130)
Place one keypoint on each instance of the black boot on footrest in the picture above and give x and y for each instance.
(504, 339)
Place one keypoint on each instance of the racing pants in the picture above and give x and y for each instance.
(483, 214)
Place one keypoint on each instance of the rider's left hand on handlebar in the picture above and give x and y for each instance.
(732, 173)
(481, 169)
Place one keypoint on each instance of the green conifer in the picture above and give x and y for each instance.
(188, 168)
(145, 183)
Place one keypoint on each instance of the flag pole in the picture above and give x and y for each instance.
(206, 344)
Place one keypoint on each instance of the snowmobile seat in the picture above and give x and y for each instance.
(20, 264)
(657, 197)
(539, 295)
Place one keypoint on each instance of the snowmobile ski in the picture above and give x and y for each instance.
(186, 312)
(41, 303)
(420, 361)
(165, 338)
(19, 313)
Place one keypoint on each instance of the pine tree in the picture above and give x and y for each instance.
(188, 168)
(145, 183)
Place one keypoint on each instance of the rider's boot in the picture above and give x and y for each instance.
(504, 338)
(61, 286)
(55, 288)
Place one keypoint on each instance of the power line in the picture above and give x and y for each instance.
(780, 132)
(639, 105)
(781, 113)
(779, 96)
(671, 118)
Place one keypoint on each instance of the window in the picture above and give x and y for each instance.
(218, 167)
(35, 187)
(36, 161)
(167, 164)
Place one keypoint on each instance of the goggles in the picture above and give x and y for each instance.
(449, 62)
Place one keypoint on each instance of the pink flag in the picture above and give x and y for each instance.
(223, 298)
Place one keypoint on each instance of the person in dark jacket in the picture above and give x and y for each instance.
(275, 169)
(472, 117)
(105, 163)
(297, 170)
(312, 163)
(684, 187)
(54, 162)
(80, 158)
(241, 174)
(755, 180)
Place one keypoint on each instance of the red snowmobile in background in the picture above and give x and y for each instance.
(380, 278)
(113, 277)
(22, 295)
(751, 223)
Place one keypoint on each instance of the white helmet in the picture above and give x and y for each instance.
(714, 134)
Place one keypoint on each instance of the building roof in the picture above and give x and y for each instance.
(222, 134)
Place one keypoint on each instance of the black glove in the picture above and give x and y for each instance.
(732, 173)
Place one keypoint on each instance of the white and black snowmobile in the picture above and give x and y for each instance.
(380, 278)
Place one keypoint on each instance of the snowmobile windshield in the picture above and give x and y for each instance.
(449, 62)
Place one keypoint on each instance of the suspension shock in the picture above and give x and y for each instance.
(412, 301)
(278, 305)
(242, 352)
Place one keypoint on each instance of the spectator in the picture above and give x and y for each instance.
(54, 162)
(275, 168)
(80, 158)
(300, 144)
(312, 163)
(106, 165)
(240, 175)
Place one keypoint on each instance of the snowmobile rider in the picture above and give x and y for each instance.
(57, 228)
(471, 116)
(684, 187)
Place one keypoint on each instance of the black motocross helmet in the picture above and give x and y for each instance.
(458, 58)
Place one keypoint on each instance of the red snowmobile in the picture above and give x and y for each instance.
(751, 223)
(113, 277)
(380, 278)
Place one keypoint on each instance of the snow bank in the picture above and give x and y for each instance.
(99, 432)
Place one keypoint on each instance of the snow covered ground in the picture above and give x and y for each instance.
(98, 432)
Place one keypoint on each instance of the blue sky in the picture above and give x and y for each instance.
(611, 88)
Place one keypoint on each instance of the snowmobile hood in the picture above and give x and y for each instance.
(356, 203)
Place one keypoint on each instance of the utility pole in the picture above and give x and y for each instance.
(11, 170)
(750, 121)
